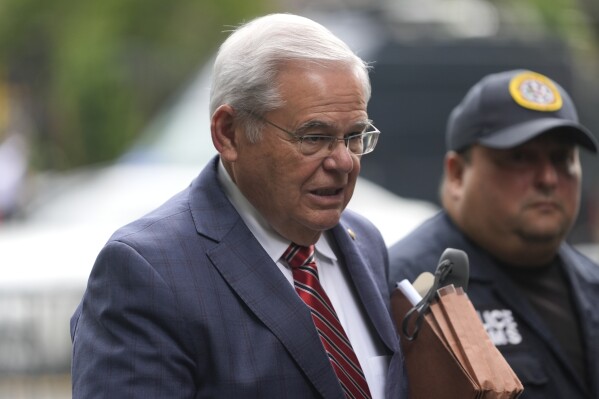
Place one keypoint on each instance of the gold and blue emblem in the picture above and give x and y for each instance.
(535, 91)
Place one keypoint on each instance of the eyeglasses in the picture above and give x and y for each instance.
(318, 145)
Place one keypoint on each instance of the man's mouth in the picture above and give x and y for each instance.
(325, 192)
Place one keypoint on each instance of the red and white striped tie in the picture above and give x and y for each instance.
(333, 337)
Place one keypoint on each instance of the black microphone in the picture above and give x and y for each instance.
(453, 268)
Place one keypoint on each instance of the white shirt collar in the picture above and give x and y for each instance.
(272, 242)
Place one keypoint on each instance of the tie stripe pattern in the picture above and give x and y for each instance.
(339, 350)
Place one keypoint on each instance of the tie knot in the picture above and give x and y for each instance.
(297, 256)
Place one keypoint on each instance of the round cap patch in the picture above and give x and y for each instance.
(534, 91)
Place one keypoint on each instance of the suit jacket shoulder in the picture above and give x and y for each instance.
(187, 294)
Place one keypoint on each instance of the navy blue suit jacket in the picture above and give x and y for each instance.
(185, 303)
(537, 358)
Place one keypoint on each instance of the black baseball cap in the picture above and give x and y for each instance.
(506, 109)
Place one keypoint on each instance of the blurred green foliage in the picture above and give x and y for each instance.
(86, 76)
(89, 74)
(574, 21)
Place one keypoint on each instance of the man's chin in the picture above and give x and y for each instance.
(326, 220)
(543, 235)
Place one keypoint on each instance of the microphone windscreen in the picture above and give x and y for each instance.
(459, 268)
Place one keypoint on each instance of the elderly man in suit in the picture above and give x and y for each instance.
(219, 293)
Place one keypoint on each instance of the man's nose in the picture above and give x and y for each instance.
(340, 157)
(547, 172)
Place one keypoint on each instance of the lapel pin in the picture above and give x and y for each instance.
(351, 234)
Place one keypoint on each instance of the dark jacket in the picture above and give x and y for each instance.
(528, 345)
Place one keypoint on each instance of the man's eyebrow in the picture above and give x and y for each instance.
(363, 124)
(314, 124)
(317, 124)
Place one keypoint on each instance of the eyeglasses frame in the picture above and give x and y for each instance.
(332, 139)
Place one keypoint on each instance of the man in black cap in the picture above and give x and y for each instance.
(510, 194)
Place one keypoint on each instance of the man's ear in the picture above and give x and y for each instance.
(222, 128)
(455, 165)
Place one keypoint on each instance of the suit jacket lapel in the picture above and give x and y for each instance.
(365, 286)
(258, 282)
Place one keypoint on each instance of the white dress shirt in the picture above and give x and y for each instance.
(334, 280)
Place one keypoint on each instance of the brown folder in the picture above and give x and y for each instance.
(452, 357)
